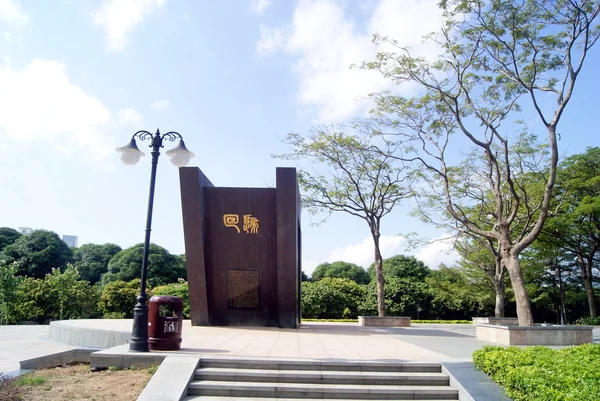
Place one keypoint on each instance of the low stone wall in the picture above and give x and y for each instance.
(495, 320)
(76, 333)
(386, 321)
(535, 335)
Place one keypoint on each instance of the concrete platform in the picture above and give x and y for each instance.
(535, 335)
(452, 345)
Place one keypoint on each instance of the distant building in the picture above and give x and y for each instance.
(70, 240)
(25, 230)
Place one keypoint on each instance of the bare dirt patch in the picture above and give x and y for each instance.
(78, 383)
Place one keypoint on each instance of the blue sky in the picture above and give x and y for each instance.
(78, 78)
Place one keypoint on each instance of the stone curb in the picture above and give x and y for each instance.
(472, 384)
(171, 380)
(82, 355)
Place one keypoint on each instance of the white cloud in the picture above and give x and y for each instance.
(12, 14)
(40, 103)
(259, 6)
(120, 17)
(324, 43)
(129, 117)
(362, 254)
(270, 40)
(160, 105)
(440, 250)
(309, 266)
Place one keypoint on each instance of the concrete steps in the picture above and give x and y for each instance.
(241, 379)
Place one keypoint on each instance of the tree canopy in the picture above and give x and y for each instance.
(402, 266)
(163, 267)
(92, 260)
(38, 253)
(341, 270)
(8, 236)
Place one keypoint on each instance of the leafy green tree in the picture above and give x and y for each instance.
(352, 292)
(402, 266)
(403, 297)
(180, 290)
(59, 295)
(38, 253)
(118, 299)
(92, 260)
(575, 226)
(9, 282)
(321, 301)
(341, 269)
(163, 267)
(455, 295)
(496, 57)
(8, 236)
(348, 179)
(482, 256)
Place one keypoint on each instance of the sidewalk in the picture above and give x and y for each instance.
(18, 343)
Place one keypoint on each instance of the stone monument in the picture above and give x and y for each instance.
(242, 249)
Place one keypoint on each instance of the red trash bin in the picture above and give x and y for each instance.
(164, 323)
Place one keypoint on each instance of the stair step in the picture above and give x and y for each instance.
(322, 391)
(322, 377)
(358, 366)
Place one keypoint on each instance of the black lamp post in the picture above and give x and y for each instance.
(130, 155)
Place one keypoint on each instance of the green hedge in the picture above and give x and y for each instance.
(543, 374)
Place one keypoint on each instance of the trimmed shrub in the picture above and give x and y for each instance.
(543, 374)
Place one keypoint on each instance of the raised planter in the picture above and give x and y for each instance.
(535, 335)
(495, 320)
(386, 321)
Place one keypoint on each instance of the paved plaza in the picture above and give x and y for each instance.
(421, 342)
(451, 344)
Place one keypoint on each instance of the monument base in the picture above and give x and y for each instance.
(535, 335)
(386, 321)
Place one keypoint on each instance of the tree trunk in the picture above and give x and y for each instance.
(498, 280)
(500, 298)
(511, 261)
(586, 272)
(379, 275)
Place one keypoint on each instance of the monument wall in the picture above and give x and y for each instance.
(242, 251)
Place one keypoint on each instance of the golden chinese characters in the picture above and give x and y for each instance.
(231, 220)
(250, 224)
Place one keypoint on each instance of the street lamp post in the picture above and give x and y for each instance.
(130, 155)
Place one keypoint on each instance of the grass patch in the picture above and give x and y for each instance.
(543, 374)
(29, 380)
(9, 391)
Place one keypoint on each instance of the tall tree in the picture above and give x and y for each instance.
(402, 266)
(497, 56)
(91, 260)
(341, 269)
(483, 254)
(348, 179)
(575, 228)
(8, 236)
(163, 267)
(38, 253)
